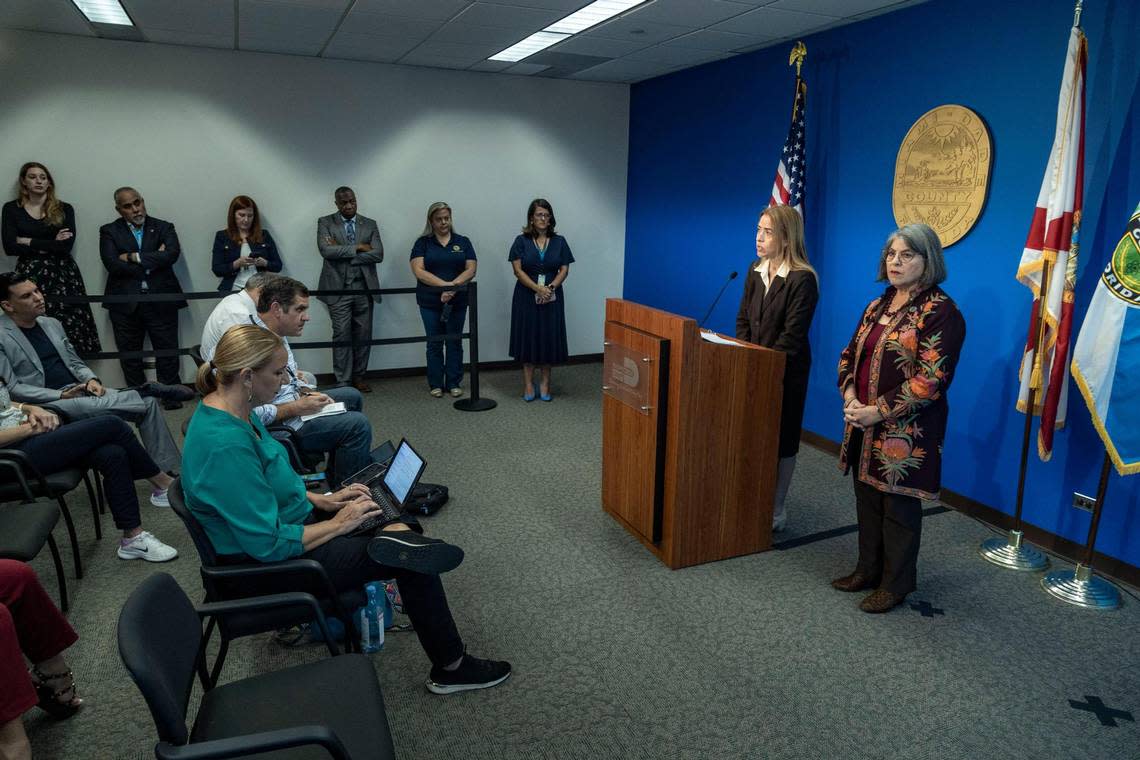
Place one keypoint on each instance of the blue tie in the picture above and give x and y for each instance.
(350, 230)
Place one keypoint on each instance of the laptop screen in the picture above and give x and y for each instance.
(403, 472)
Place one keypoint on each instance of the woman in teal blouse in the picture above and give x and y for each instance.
(239, 485)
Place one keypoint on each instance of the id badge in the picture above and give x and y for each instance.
(542, 281)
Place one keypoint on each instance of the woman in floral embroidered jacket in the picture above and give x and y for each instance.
(894, 375)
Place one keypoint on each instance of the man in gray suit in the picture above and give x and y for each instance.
(40, 366)
(351, 247)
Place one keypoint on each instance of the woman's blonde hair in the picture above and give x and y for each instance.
(788, 226)
(53, 209)
(242, 347)
(431, 210)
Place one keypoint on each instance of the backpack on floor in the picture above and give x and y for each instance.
(426, 498)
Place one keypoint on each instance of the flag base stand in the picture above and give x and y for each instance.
(1012, 554)
(474, 404)
(1081, 588)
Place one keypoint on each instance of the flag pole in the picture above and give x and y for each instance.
(1011, 552)
(1077, 13)
(1080, 586)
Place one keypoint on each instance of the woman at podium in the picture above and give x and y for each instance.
(894, 375)
(780, 294)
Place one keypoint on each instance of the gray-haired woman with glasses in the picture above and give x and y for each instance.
(894, 375)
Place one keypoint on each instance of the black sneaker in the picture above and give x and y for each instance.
(169, 393)
(412, 551)
(472, 673)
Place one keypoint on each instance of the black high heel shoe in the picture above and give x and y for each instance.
(51, 700)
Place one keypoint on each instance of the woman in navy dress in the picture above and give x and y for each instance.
(39, 229)
(541, 260)
(243, 248)
(442, 258)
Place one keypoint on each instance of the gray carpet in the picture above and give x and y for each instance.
(617, 656)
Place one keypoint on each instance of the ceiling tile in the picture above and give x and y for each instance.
(278, 45)
(214, 17)
(774, 23)
(526, 69)
(193, 39)
(624, 70)
(599, 46)
(692, 13)
(369, 47)
(491, 66)
(387, 24)
(706, 39)
(631, 29)
(840, 8)
(434, 62)
(265, 18)
(453, 50)
(675, 55)
(565, 6)
(508, 16)
(456, 31)
(440, 10)
(38, 16)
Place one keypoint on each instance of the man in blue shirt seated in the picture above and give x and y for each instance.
(41, 367)
(283, 308)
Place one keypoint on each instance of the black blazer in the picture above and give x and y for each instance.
(780, 319)
(126, 277)
(226, 252)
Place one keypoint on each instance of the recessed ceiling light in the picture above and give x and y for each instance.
(579, 21)
(104, 12)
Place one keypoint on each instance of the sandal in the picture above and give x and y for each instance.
(58, 703)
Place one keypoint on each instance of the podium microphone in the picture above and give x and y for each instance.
(716, 300)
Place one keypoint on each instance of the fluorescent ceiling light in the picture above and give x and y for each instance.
(529, 46)
(592, 15)
(104, 12)
(579, 21)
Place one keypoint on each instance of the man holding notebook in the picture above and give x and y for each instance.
(324, 422)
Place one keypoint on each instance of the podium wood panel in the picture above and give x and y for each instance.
(720, 442)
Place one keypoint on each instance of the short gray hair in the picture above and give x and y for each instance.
(924, 241)
(260, 280)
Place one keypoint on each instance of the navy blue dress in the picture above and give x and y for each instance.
(538, 331)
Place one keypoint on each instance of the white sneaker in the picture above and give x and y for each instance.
(146, 546)
(159, 497)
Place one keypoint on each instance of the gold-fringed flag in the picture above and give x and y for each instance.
(1106, 359)
(1049, 261)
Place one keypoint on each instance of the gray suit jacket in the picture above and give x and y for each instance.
(21, 368)
(340, 255)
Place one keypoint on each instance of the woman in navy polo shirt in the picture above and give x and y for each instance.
(442, 258)
(243, 248)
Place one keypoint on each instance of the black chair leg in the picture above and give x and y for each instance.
(102, 496)
(94, 506)
(71, 534)
(203, 673)
(217, 670)
(63, 604)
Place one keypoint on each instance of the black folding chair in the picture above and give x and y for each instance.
(224, 582)
(25, 529)
(331, 708)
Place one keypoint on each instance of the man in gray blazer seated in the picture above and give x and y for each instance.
(40, 366)
(351, 247)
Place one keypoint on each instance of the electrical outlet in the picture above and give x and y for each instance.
(1080, 501)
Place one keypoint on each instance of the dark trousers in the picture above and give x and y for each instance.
(351, 320)
(441, 373)
(160, 322)
(109, 445)
(346, 560)
(890, 530)
(30, 625)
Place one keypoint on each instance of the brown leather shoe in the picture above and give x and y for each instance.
(854, 582)
(361, 385)
(881, 600)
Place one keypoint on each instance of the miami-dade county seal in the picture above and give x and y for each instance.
(942, 172)
(1122, 275)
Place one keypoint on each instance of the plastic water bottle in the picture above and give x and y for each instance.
(372, 621)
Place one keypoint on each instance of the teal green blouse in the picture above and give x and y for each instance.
(240, 486)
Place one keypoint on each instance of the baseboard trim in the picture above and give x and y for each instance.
(1114, 568)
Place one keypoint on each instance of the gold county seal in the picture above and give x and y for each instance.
(1122, 275)
(942, 172)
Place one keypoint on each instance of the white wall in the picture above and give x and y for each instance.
(191, 128)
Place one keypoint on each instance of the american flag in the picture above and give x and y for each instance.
(791, 174)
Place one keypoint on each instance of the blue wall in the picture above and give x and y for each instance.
(703, 150)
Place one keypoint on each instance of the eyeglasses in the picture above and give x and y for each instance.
(904, 257)
(541, 215)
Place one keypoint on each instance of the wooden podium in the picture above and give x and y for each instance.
(689, 436)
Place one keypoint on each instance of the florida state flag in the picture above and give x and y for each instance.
(1050, 255)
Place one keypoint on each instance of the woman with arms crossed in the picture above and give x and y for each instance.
(541, 261)
(780, 295)
(894, 375)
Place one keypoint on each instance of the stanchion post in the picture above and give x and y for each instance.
(474, 403)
